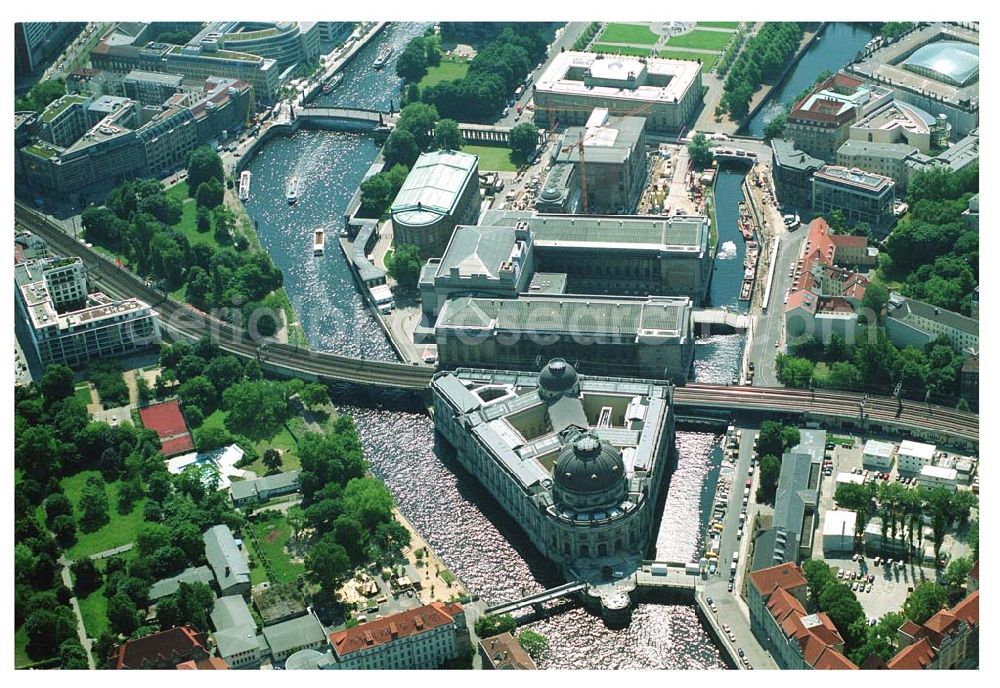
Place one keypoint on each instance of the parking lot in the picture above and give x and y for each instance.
(889, 587)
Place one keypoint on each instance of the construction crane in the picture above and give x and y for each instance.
(579, 145)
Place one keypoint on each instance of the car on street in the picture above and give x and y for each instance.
(732, 637)
(730, 588)
(868, 588)
(740, 652)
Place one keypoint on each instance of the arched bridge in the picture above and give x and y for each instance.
(182, 321)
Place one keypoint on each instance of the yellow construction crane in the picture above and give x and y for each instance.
(579, 145)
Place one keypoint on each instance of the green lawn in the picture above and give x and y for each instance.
(720, 25)
(188, 226)
(492, 158)
(273, 535)
(94, 609)
(619, 50)
(448, 70)
(708, 60)
(21, 657)
(703, 40)
(120, 530)
(82, 394)
(629, 33)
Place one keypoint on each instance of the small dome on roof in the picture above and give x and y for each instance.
(558, 376)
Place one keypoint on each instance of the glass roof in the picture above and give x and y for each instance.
(953, 62)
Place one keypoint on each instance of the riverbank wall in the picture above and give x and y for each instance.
(765, 94)
(313, 89)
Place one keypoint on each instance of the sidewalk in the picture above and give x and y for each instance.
(81, 630)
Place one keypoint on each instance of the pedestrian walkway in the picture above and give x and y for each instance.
(81, 629)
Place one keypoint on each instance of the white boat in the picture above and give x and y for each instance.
(319, 239)
(245, 185)
(292, 196)
(383, 57)
(333, 82)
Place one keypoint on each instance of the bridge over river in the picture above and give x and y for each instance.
(184, 322)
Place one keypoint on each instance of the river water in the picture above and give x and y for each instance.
(460, 520)
(837, 47)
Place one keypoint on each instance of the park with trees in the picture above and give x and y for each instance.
(762, 60)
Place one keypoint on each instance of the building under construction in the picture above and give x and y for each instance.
(597, 168)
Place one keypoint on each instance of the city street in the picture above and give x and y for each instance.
(769, 327)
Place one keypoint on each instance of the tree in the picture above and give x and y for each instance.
(535, 644)
(412, 62)
(86, 576)
(55, 505)
(492, 624)
(419, 120)
(256, 409)
(314, 395)
(194, 604)
(699, 151)
(368, 501)
(400, 149)
(770, 439)
(794, 371)
(447, 136)
(844, 610)
(770, 469)
(37, 453)
(151, 537)
(405, 265)
(199, 393)
(224, 372)
(64, 530)
(955, 577)
(47, 629)
(93, 505)
(776, 127)
(349, 533)
(203, 164)
(926, 600)
(818, 575)
(327, 563)
(122, 614)
(166, 209)
(41, 94)
(961, 504)
(209, 194)
(272, 460)
(392, 536)
(56, 383)
(523, 142)
(204, 219)
(875, 299)
(72, 655)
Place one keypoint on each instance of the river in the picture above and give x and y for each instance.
(837, 47)
(460, 520)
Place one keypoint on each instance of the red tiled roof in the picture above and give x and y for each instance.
(915, 656)
(504, 652)
(974, 573)
(803, 298)
(168, 422)
(849, 241)
(943, 622)
(786, 576)
(159, 650)
(832, 659)
(874, 661)
(381, 631)
(910, 628)
(968, 609)
(210, 663)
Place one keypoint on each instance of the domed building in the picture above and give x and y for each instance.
(589, 474)
(578, 462)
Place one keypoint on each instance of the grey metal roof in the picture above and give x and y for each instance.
(561, 313)
(294, 633)
(237, 639)
(367, 270)
(787, 155)
(434, 186)
(897, 151)
(567, 411)
(610, 143)
(230, 611)
(901, 307)
(225, 558)
(477, 251)
(168, 586)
